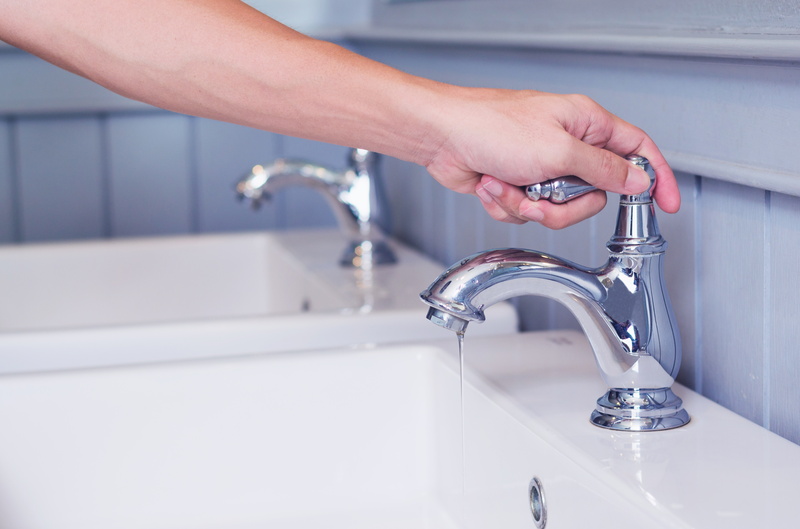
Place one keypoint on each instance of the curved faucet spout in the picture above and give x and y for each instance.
(621, 310)
(468, 287)
(353, 194)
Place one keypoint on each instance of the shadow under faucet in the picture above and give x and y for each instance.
(622, 306)
(354, 195)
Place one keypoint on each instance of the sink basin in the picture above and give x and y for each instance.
(83, 304)
(372, 437)
(155, 280)
(197, 277)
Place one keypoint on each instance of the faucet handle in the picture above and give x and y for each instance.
(559, 190)
(566, 188)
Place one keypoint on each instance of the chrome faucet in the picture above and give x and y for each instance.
(622, 306)
(353, 193)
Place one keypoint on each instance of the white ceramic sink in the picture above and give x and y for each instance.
(81, 304)
(368, 438)
(197, 277)
(154, 280)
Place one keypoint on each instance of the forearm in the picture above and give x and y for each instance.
(221, 59)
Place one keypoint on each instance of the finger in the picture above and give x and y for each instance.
(558, 216)
(604, 169)
(495, 209)
(506, 197)
(628, 139)
(666, 193)
(608, 171)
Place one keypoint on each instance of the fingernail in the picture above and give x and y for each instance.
(637, 181)
(494, 187)
(533, 213)
(485, 197)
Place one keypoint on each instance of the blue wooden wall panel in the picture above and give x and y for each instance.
(151, 191)
(40, 88)
(784, 332)
(680, 272)
(468, 231)
(398, 195)
(7, 187)
(732, 261)
(225, 153)
(441, 226)
(61, 179)
(441, 230)
(421, 209)
(410, 189)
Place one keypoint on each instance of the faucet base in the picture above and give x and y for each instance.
(639, 410)
(366, 254)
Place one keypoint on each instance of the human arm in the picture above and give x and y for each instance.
(222, 59)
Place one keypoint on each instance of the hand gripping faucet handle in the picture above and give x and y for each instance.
(565, 188)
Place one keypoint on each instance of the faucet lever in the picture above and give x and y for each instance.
(559, 190)
(566, 188)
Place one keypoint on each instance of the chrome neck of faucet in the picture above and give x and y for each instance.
(354, 195)
(622, 306)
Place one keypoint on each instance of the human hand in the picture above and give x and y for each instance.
(502, 140)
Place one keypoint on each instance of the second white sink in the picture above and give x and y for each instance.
(102, 303)
(196, 277)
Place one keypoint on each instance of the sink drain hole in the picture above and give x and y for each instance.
(537, 503)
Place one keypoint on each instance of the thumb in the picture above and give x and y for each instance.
(606, 170)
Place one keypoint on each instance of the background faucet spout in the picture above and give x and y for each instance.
(354, 195)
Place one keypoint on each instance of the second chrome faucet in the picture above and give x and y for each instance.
(353, 193)
(622, 306)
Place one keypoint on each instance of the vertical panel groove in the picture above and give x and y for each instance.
(105, 164)
(767, 307)
(698, 277)
(193, 165)
(16, 197)
(449, 228)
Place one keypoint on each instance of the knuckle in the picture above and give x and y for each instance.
(561, 151)
(582, 100)
(609, 169)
